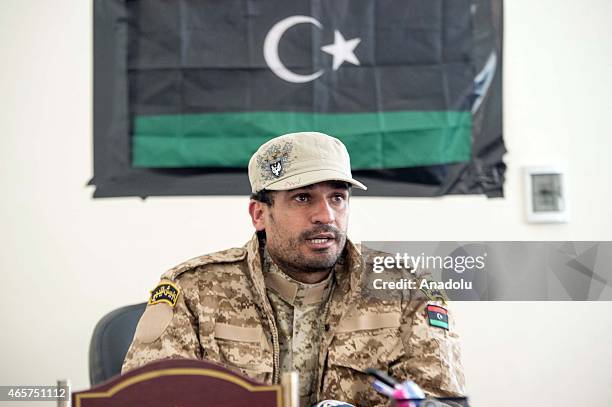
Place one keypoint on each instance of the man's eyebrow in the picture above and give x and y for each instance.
(339, 185)
(307, 187)
(334, 184)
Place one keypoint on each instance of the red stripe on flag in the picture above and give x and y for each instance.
(435, 308)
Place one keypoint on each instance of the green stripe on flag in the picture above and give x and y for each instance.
(374, 140)
(441, 324)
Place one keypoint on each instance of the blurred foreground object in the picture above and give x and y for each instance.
(182, 383)
(408, 393)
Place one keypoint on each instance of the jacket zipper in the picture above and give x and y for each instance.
(276, 350)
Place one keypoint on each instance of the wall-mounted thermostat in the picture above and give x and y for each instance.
(545, 194)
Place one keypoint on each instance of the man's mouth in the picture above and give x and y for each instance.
(321, 241)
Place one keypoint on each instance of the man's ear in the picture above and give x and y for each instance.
(257, 212)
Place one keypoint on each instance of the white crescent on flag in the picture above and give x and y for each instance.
(270, 49)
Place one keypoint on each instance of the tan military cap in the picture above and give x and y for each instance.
(299, 159)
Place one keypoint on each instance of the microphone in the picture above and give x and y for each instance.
(333, 403)
(404, 394)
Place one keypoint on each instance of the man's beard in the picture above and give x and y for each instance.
(289, 257)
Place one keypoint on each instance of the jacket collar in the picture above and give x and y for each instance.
(292, 291)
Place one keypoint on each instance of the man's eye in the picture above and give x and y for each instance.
(338, 198)
(301, 197)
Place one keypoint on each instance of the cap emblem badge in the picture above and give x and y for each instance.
(277, 168)
(275, 160)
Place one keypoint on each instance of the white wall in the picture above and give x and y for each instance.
(66, 259)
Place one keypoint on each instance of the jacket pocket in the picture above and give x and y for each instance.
(373, 345)
(360, 350)
(245, 350)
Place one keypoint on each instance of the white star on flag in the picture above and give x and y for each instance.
(342, 50)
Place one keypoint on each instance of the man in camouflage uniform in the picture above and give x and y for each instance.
(293, 297)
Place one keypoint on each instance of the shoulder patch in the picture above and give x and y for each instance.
(437, 316)
(165, 292)
(225, 256)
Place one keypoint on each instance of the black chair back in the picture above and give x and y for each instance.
(110, 342)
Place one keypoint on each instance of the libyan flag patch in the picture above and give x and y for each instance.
(437, 316)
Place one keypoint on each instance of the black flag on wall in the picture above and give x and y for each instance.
(185, 91)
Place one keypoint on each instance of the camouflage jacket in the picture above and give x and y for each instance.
(215, 307)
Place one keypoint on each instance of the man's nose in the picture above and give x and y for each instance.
(323, 213)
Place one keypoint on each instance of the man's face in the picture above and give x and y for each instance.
(306, 227)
